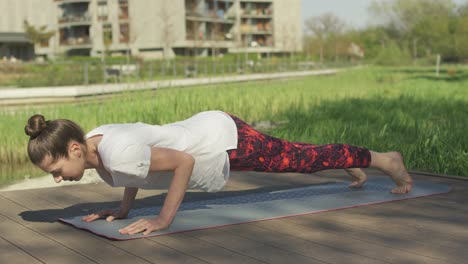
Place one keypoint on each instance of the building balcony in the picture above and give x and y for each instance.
(208, 19)
(210, 16)
(257, 41)
(257, 16)
(60, 2)
(81, 19)
(124, 39)
(123, 9)
(123, 16)
(257, 13)
(103, 17)
(256, 1)
(256, 29)
(209, 37)
(76, 41)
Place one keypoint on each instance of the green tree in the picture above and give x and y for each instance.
(325, 30)
(38, 36)
(392, 55)
(461, 32)
(373, 40)
(418, 24)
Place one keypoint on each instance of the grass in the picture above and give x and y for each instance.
(405, 109)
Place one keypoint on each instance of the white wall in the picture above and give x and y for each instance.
(287, 25)
(37, 12)
(147, 22)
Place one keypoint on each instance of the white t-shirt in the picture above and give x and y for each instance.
(125, 149)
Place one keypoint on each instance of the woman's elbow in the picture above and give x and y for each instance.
(189, 160)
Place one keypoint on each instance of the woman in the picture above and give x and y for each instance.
(200, 151)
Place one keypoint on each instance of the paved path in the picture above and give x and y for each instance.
(50, 94)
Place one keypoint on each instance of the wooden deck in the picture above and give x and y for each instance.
(430, 229)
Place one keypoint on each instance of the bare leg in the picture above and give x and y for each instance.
(391, 163)
(358, 176)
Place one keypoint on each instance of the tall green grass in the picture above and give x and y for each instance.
(404, 109)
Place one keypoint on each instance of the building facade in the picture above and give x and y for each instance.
(13, 13)
(158, 28)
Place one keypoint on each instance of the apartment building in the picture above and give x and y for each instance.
(13, 13)
(158, 28)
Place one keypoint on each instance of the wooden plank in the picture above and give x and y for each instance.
(43, 248)
(86, 202)
(63, 196)
(10, 253)
(450, 204)
(390, 248)
(85, 243)
(326, 252)
(101, 189)
(418, 215)
(156, 252)
(371, 222)
(143, 248)
(203, 246)
(204, 251)
(253, 249)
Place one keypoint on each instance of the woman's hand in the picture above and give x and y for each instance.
(110, 213)
(147, 225)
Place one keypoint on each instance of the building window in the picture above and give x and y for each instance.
(44, 43)
(123, 9)
(102, 10)
(124, 33)
(107, 34)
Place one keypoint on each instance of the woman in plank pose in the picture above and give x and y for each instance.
(200, 151)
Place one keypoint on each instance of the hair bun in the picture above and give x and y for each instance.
(36, 124)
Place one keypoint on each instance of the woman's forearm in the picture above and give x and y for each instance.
(176, 191)
(128, 198)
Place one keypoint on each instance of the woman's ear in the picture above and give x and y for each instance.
(75, 149)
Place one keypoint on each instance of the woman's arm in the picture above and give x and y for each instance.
(122, 212)
(164, 159)
(128, 198)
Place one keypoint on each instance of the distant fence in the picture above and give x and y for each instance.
(93, 72)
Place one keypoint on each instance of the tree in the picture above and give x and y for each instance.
(38, 36)
(325, 28)
(418, 23)
(372, 39)
(461, 33)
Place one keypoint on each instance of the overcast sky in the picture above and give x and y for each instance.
(354, 12)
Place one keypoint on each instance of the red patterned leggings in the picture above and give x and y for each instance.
(259, 152)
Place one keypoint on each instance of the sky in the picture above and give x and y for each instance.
(353, 12)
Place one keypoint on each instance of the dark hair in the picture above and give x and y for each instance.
(51, 137)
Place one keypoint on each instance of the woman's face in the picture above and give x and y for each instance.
(66, 169)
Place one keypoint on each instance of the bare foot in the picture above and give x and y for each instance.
(397, 171)
(358, 177)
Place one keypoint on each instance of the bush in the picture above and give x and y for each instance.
(452, 72)
(426, 61)
(392, 55)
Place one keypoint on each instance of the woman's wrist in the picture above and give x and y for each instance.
(166, 218)
(124, 210)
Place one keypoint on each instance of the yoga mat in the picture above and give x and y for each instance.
(262, 206)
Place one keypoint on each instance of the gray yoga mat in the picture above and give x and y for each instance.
(262, 206)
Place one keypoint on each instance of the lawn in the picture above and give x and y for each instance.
(411, 110)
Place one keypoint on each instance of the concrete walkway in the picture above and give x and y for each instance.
(45, 94)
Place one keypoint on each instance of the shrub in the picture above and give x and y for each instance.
(452, 72)
(393, 55)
